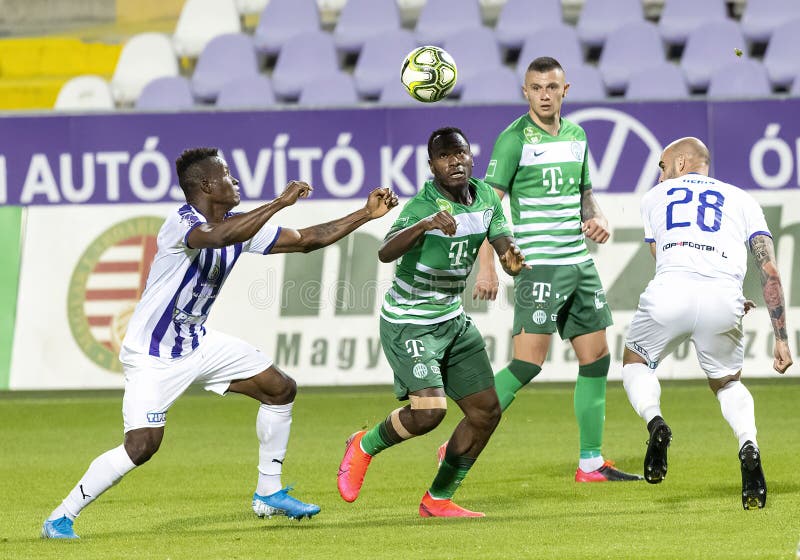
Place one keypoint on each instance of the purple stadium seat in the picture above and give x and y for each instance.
(394, 93)
(499, 85)
(630, 48)
(600, 17)
(795, 91)
(332, 89)
(282, 20)
(707, 48)
(305, 58)
(361, 19)
(475, 52)
(248, 92)
(225, 58)
(781, 59)
(520, 19)
(380, 61)
(761, 17)
(586, 84)
(664, 81)
(743, 78)
(441, 18)
(172, 93)
(559, 41)
(680, 17)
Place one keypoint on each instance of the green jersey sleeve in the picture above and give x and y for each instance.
(504, 161)
(409, 216)
(498, 227)
(586, 180)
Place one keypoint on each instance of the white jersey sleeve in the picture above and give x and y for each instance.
(645, 211)
(755, 223)
(263, 241)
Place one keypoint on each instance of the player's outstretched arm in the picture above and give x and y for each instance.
(595, 225)
(401, 242)
(511, 258)
(763, 250)
(241, 227)
(305, 240)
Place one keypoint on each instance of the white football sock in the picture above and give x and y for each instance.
(738, 409)
(591, 464)
(644, 390)
(272, 426)
(104, 472)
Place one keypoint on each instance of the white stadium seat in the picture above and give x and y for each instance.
(251, 6)
(85, 93)
(144, 58)
(202, 20)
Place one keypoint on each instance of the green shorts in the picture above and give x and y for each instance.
(450, 354)
(568, 298)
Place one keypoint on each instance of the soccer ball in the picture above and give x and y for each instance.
(428, 73)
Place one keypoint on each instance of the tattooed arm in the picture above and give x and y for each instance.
(763, 251)
(595, 225)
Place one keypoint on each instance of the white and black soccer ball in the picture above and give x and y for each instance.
(428, 73)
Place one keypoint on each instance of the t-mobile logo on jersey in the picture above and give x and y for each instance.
(414, 347)
(552, 178)
(457, 250)
(540, 291)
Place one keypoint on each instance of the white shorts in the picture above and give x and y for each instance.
(153, 384)
(707, 311)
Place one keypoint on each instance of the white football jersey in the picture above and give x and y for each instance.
(182, 286)
(701, 225)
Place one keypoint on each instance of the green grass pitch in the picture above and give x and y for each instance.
(193, 499)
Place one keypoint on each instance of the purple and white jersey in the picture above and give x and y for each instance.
(701, 225)
(182, 286)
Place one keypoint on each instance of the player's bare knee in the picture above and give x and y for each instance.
(282, 391)
(426, 420)
(718, 384)
(141, 445)
(427, 413)
(289, 390)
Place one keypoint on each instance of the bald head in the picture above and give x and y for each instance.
(684, 155)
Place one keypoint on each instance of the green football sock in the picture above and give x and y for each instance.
(590, 405)
(452, 471)
(512, 378)
(377, 439)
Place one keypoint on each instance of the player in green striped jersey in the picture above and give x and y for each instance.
(433, 347)
(540, 160)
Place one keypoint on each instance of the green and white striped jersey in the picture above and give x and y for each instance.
(544, 176)
(432, 275)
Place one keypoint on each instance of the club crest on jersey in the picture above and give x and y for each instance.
(599, 299)
(532, 136)
(539, 317)
(445, 205)
(577, 150)
(99, 306)
(487, 217)
(420, 371)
